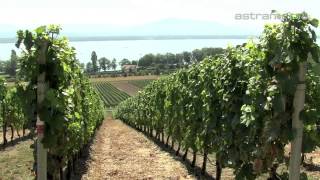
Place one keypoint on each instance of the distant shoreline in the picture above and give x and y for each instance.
(137, 38)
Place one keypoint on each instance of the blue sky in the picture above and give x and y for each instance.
(133, 13)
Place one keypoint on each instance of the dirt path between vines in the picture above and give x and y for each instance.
(120, 152)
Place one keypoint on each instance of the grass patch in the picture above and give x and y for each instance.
(16, 162)
(141, 83)
(4, 75)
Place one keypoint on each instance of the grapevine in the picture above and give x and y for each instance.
(71, 110)
(238, 105)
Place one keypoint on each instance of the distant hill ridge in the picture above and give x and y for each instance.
(124, 38)
(158, 30)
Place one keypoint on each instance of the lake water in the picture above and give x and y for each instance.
(132, 49)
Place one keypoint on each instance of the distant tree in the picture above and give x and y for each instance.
(108, 64)
(13, 63)
(212, 51)
(134, 62)
(94, 59)
(187, 57)
(147, 60)
(82, 66)
(198, 55)
(103, 63)
(171, 58)
(6, 67)
(3, 66)
(114, 64)
(159, 59)
(157, 71)
(124, 62)
(89, 67)
(179, 58)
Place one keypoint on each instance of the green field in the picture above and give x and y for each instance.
(110, 95)
(141, 83)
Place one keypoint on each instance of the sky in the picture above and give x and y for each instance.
(133, 13)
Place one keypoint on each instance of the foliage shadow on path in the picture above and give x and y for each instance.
(15, 142)
(81, 166)
(196, 171)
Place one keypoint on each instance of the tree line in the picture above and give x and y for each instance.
(155, 61)
(178, 60)
(97, 65)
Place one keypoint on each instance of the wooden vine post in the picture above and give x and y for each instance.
(41, 88)
(297, 124)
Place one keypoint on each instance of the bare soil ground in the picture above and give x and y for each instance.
(15, 135)
(128, 78)
(126, 87)
(120, 152)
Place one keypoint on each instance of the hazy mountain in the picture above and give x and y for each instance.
(160, 28)
(164, 27)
